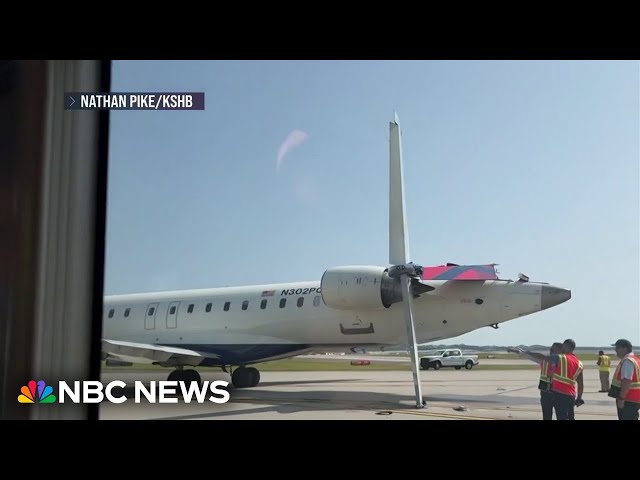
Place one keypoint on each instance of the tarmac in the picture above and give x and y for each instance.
(363, 395)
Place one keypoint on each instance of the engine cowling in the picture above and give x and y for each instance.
(360, 288)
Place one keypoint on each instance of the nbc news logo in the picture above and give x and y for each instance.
(91, 391)
(28, 393)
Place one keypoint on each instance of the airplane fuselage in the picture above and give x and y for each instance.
(244, 325)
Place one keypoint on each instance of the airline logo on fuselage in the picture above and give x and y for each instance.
(301, 291)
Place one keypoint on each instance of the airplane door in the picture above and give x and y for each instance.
(150, 317)
(172, 315)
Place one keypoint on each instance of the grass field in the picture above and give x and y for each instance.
(584, 357)
(304, 364)
(312, 364)
(301, 364)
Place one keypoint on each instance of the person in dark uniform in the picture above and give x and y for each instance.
(544, 384)
(567, 380)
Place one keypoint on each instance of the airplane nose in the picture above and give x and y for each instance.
(552, 296)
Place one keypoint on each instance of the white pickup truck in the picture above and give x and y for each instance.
(448, 358)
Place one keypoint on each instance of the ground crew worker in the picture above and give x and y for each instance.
(603, 367)
(544, 384)
(567, 382)
(625, 385)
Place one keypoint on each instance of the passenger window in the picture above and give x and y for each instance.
(245, 304)
(226, 306)
(151, 310)
(208, 309)
(316, 301)
(126, 312)
(172, 310)
(111, 313)
(283, 302)
(300, 301)
(263, 304)
(190, 309)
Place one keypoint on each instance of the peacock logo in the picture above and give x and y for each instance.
(28, 393)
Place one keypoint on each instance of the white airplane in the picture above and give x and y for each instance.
(349, 308)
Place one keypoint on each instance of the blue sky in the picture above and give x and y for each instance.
(533, 165)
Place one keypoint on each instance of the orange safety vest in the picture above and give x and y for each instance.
(564, 376)
(545, 375)
(633, 395)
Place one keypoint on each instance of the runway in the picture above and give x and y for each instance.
(366, 395)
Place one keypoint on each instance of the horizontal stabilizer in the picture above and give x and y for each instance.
(460, 272)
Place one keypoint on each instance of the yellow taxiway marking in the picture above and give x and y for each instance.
(440, 415)
(338, 405)
(536, 410)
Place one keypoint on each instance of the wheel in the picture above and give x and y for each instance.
(437, 365)
(191, 376)
(458, 368)
(186, 376)
(468, 365)
(255, 376)
(244, 377)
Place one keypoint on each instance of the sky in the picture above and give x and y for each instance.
(533, 165)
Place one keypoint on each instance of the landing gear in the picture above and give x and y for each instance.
(245, 377)
(186, 376)
(241, 377)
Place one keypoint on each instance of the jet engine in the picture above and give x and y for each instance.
(364, 287)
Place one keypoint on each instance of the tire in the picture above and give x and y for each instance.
(468, 365)
(437, 365)
(192, 376)
(255, 376)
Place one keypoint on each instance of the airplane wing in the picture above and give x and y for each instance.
(460, 272)
(146, 353)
